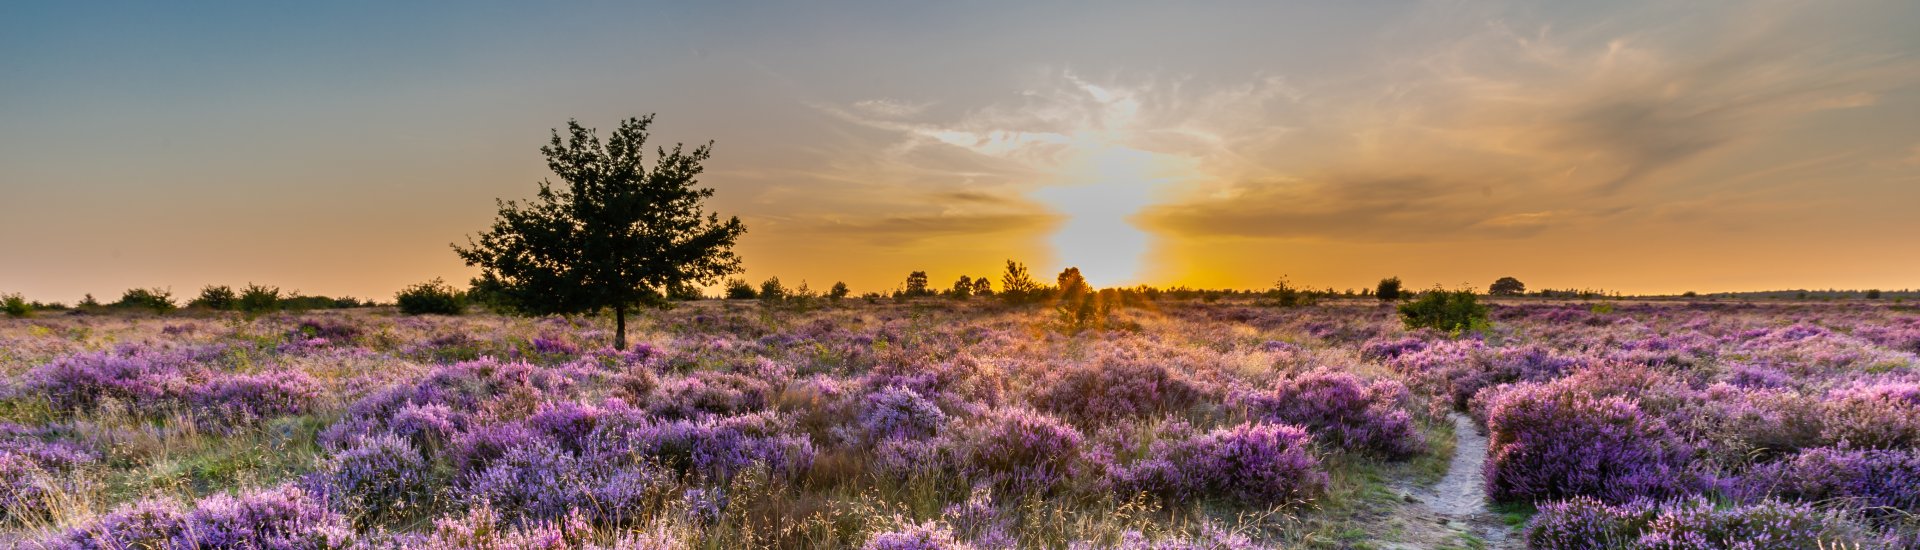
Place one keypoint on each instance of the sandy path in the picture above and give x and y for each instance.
(1437, 516)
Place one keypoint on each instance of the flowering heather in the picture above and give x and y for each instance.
(377, 477)
(1344, 412)
(895, 413)
(136, 376)
(1884, 415)
(250, 397)
(709, 393)
(540, 482)
(1113, 389)
(1023, 447)
(1549, 442)
(1257, 464)
(926, 536)
(1881, 482)
(281, 518)
(1585, 523)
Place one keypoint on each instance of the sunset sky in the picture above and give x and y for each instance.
(338, 148)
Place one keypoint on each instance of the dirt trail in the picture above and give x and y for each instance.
(1438, 516)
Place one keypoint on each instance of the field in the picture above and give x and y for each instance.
(968, 424)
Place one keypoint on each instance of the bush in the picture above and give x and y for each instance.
(1447, 311)
(158, 300)
(378, 478)
(217, 298)
(1255, 464)
(926, 536)
(257, 299)
(1549, 442)
(738, 289)
(1344, 412)
(1884, 415)
(1388, 290)
(1585, 523)
(16, 306)
(899, 413)
(1880, 482)
(1108, 390)
(432, 297)
(1021, 447)
(282, 518)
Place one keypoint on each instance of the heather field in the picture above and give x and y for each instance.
(938, 423)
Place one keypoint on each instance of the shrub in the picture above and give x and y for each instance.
(1255, 464)
(379, 477)
(480, 529)
(1388, 290)
(1585, 523)
(899, 413)
(432, 297)
(1883, 415)
(79, 382)
(281, 518)
(1447, 311)
(738, 289)
(1344, 412)
(251, 397)
(1548, 442)
(713, 448)
(1114, 389)
(541, 482)
(217, 298)
(1024, 448)
(15, 306)
(1880, 482)
(838, 292)
(257, 299)
(925, 536)
(158, 300)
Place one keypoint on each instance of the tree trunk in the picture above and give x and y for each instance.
(620, 328)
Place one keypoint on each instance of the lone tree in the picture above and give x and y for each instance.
(1389, 290)
(1507, 286)
(617, 236)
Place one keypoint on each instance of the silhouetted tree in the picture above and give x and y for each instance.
(962, 288)
(738, 289)
(1072, 285)
(617, 236)
(917, 284)
(1507, 286)
(220, 298)
(838, 292)
(772, 291)
(1873, 294)
(1389, 290)
(1016, 286)
(982, 287)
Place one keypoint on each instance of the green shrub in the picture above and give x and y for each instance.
(1389, 290)
(256, 299)
(218, 298)
(431, 297)
(1284, 295)
(738, 289)
(1455, 311)
(16, 306)
(838, 292)
(158, 300)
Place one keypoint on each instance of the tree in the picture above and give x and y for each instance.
(616, 236)
(772, 291)
(917, 284)
(1016, 286)
(219, 298)
(431, 297)
(1389, 290)
(838, 292)
(1455, 311)
(982, 287)
(962, 288)
(1873, 294)
(1072, 285)
(1507, 286)
(156, 299)
(738, 289)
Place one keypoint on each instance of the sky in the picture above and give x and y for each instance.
(340, 148)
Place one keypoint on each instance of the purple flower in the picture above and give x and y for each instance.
(1344, 412)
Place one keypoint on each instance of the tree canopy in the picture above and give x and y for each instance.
(619, 234)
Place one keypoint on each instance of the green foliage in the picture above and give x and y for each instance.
(684, 293)
(1284, 295)
(738, 289)
(258, 299)
(431, 297)
(839, 291)
(1873, 294)
(217, 298)
(1072, 284)
(1601, 308)
(1017, 286)
(89, 302)
(1451, 311)
(1507, 286)
(158, 300)
(616, 236)
(982, 287)
(917, 285)
(1388, 290)
(772, 291)
(962, 288)
(16, 306)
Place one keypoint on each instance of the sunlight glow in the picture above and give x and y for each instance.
(1104, 188)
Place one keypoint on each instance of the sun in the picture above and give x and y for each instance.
(1104, 187)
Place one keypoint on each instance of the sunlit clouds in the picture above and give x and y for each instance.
(1642, 147)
